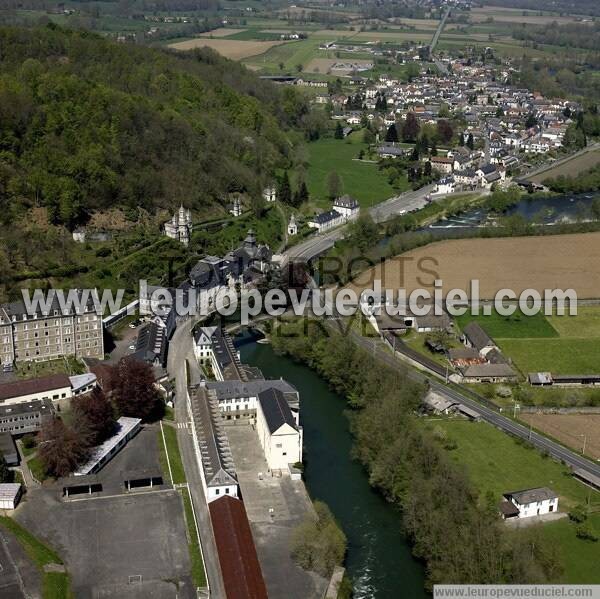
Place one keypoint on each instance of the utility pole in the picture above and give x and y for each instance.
(584, 442)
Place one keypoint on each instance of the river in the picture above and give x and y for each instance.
(548, 211)
(379, 561)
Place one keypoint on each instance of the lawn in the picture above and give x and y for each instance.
(362, 180)
(579, 557)
(559, 356)
(516, 326)
(172, 455)
(69, 366)
(585, 324)
(55, 585)
(36, 468)
(498, 463)
(198, 574)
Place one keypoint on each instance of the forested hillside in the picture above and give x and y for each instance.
(115, 137)
(86, 124)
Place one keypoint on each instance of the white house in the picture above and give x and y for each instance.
(278, 430)
(292, 226)
(326, 220)
(445, 185)
(347, 206)
(529, 502)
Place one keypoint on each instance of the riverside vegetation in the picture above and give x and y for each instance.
(437, 502)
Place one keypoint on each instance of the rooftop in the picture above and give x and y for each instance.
(33, 386)
(240, 567)
(276, 409)
(126, 426)
(527, 496)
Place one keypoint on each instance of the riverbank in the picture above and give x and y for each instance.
(459, 538)
(378, 560)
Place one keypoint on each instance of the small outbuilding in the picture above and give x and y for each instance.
(10, 494)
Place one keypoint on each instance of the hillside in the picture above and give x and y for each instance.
(89, 126)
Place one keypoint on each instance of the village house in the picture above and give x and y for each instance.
(326, 220)
(347, 206)
(441, 164)
(528, 503)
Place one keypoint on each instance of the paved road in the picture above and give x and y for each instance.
(180, 348)
(438, 31)
(505, 424)
(320, 243)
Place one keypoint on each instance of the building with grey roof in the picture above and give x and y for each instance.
(211, 445)
(532, 502)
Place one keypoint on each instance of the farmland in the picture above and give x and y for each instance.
(234, 49)
(585, 324)
(517, 263)
(570, 429)
(559, 356)
(572, 167)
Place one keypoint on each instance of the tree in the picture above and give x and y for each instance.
(301, 195)
(339, 131)
(61, 449)
(320, 544)
(93, 416)
(530, 121)
(391, 134)
(131, 387)
(364, 232)
(411, 128)
(284, 193)
(470, 142)
(444, 131)
(334, 185)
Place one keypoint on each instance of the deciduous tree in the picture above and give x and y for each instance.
(132, 389)
(61, 449)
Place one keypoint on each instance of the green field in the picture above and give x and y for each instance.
(172, 456)
(361, 180)
(516, 326)
(498, 463)
(562, 355)
(585, 324)
(558, 344)
(580, 558)
(290, 55)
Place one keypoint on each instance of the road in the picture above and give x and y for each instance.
(180, 348)
(436, 36)
(321, 242)
(505, 424)
(547, 166)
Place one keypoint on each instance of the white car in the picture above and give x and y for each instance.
(132, 347)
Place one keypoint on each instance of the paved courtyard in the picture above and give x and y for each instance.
(114, 543)
(274, 506)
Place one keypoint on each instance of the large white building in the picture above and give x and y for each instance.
(278, 430)
(347, 206)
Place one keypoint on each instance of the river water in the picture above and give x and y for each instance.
(379, 561)
(548, 211)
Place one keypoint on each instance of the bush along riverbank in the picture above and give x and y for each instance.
(455, 531)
